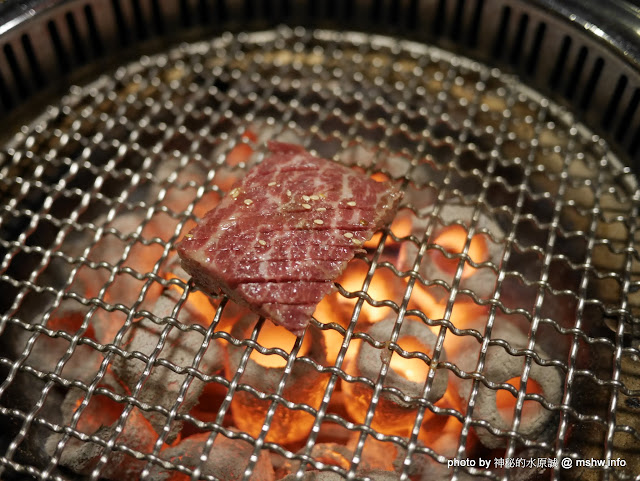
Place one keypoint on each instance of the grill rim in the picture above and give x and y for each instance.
(363, 300)
(608, 48)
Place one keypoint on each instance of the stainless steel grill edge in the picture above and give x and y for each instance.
(582, 53)
(590, 73)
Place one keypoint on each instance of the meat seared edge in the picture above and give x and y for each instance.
(285, 232)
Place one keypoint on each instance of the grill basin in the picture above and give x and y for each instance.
(153, 141)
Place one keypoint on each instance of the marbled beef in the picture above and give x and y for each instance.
(282, 235)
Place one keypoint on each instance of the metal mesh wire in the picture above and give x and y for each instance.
(452, 131)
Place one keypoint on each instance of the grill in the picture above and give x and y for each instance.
(115, 366)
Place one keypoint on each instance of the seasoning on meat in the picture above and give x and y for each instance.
(265, 248)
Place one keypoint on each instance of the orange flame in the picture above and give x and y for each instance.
(272, 336)
(465, 313)
(506, 402)
(442, 432)
(453, 239)
(197, 300)
(333, 341)
(70, 322)
(101, 411)
(384, 285)
(390, 417)
(414, 369)
(380, 177)
(401, 227)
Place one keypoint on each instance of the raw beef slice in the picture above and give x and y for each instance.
(284, 233)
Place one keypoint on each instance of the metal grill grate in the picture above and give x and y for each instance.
(454, 132)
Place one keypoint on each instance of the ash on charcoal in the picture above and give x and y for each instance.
(331, 476)
(369, 359)
(454, 224)
(316, 476)
(227, 459)
(304, 384)
(331, 454)
(111, 248)
(185, 179)
(393, 415)
(99, 418)
(82, 457)
(502, 367)
(107, 324)
(442, 433)
(380, 456)
(47, 351)
(397, 166)
(162, 386)
(357, 155)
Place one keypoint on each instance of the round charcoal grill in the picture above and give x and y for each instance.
(128, 120)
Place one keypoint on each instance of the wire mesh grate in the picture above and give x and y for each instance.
(110, 353)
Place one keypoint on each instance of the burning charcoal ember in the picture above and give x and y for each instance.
(442, 434)
(383, 285)
(206, 410)
(388, 457)
(400, 227)
(227, 460)
(242, 151)
(197, 305)
(162, 386)
(107, 324)
(332, 476)
(331, 432)
(281, 465)
(377, 455)
(451, 236)
(285, 232)
(316, 476)
(305, 385)
(99, 418)
(166, 304)
(433, 301)
(110, 249)
(67, 319)
(137, 435)
(330, 454)
(393, 414)
(497, 406)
